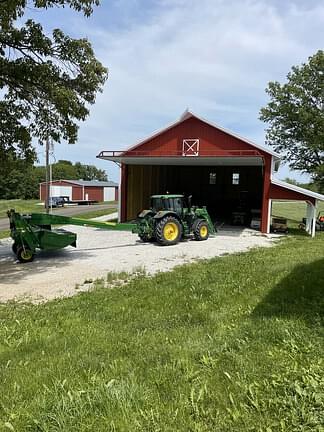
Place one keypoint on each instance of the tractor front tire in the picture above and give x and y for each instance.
(200, 230)
(168, 231)
(25, 255)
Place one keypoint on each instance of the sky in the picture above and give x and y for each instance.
(214, 57)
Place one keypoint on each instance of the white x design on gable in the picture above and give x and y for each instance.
(190, 147)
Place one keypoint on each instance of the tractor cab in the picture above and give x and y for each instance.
(174, 203)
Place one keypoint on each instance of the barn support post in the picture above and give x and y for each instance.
(313, 219)
(269, 216)
(265, 223)
(308, 218)
(123, 193)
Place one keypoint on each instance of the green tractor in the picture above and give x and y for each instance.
(168, 221)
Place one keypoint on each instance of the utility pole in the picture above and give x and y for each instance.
(47, 186)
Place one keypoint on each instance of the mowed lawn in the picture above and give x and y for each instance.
(230, 344)
(21, 206)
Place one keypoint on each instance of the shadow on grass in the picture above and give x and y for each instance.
(299, 295)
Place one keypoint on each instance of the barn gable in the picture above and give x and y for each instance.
(211, 139)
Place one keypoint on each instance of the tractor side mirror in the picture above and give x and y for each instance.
(189, 201)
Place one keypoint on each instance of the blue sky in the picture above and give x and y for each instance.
(212, 56)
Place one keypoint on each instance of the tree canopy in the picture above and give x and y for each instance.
(295, 115)
(47, 81)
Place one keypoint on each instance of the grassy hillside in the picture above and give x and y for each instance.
(229, 345)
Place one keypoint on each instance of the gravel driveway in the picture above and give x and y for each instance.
(55, 274)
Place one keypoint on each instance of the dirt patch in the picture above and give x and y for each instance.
(56, 274)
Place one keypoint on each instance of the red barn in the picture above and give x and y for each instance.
(81, 190)
(221, 169)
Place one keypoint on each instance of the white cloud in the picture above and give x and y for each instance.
(213, 56)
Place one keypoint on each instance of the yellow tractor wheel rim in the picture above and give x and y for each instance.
(203, 231)
(170, 231)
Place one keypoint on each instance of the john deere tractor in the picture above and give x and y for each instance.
(168, 221)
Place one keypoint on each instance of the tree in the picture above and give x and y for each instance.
(310, 186)
(295, 115)
(62, 170)
(47, 82)
(89, 172)
(16, 180)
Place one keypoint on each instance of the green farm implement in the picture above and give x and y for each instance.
(34, 231)
(166, 222)
(169, 220)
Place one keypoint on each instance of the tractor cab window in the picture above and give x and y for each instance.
(177, 205)
(173, 204)
(157, 204)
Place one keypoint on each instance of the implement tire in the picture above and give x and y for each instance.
(200, 230)
(168, 231)
(25, 255)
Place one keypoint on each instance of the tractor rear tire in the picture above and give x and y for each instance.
(24, 254)
(200, 230)
(168, 231)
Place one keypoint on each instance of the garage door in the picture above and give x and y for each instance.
(109, 194)
(61, 191)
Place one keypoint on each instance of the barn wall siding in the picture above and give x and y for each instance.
(212, 140)
(266, 195)
(75, 189)
(77, 193)
(94, 193)
(280, 193)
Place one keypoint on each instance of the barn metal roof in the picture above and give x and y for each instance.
(88, 182)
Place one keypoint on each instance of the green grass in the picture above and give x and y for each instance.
(233, 344)
(26, 206)
(22, 206)
(96, 213)
(293, 211)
